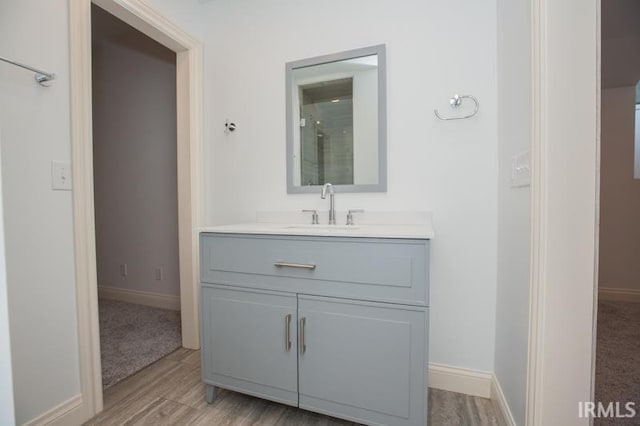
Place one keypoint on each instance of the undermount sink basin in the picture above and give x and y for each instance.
(324, 227)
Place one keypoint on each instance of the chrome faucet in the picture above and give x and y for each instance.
(332, 209)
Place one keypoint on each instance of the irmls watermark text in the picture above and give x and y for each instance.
(617, 410)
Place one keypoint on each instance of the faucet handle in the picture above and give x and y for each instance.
(350, 215)
(314, 216)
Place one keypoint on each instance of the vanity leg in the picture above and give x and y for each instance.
(209, 393)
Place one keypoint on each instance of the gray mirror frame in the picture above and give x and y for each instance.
(379, 50)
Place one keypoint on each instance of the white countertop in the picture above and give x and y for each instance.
(421, 231)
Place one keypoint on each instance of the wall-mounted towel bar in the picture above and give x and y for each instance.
(455, 103)
(41, 77)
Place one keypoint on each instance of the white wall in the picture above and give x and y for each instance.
(186, 14)
(619, 192)
(636, 140)
(134, 130)
(7, 413)
(449, 168)
(514, 204)
(38, 221)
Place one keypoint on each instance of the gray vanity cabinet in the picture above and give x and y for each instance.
(298, 325)
(362, 360)
(246, 344)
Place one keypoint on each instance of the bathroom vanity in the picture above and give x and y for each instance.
(329, 319)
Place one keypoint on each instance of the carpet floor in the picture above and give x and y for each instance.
(618, 358)
(134, 336)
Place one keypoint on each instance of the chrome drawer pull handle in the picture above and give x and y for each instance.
(303, 344)
(295, 265)
(287, 332)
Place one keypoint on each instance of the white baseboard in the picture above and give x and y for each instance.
(500, 403)
(147, 298)
(619, 294)
(66, 413)
(460, 380)
(471, 382)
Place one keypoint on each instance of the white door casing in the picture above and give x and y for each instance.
(565, 189)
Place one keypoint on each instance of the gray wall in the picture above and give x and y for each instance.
(514, 204)
(619, 191)
(134, 122)
(620, 43)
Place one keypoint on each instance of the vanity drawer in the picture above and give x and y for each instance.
(372, 268)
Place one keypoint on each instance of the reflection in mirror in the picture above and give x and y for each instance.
(326, 132)
(336, 128)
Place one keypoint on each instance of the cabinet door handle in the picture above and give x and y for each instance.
(303, 345)
(295, 265)
(287, 332)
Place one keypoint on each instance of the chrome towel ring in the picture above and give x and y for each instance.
(455, 103)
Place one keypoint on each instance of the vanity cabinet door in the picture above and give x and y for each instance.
(250, 342)
(363, 361)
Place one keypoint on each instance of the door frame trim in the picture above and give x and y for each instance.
(564, 210)
(189, 73)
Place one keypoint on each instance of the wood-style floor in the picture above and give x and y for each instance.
(170, 392)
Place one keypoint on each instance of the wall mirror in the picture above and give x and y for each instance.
(336, 122)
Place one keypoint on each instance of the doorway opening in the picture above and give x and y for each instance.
(135, 197)
(617, 373)
(188, 52)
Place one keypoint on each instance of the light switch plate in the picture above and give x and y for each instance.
(60, 176)
(521, 170)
